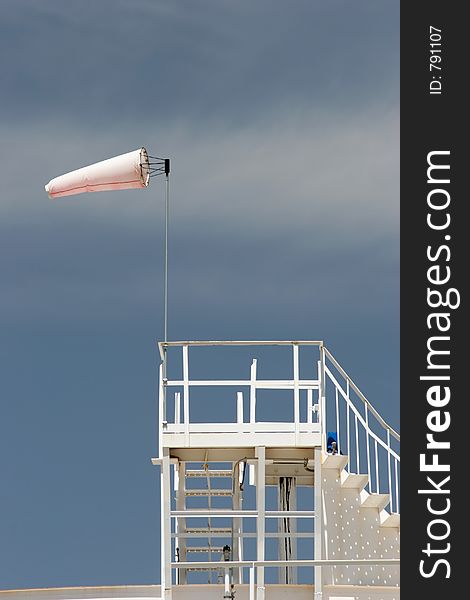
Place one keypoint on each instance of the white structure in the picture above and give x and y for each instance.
(306, 506)
(215, 535)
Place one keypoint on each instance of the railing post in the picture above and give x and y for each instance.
(322, 395)
(177, 408)
(337, 420)
(397, 505)
(368, 449)
(295, 352)
(377, 484)
(309, 406)
(253, 392)
(323, 383)
(389, 471)
(357, 445)
(239, 407)
(348, 428)
(186, 394)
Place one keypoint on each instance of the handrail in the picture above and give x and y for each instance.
(225, 564)
(288, 384)
(359, 416)
(382, 422)
(163, 345)
(180, 343)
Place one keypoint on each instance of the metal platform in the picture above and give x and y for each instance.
(217, 526)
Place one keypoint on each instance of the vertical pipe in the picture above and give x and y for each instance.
(161, 401)
(320, 406)
(239, 407)
(357, 445)
(237, 542)
(177, 408)
(318, 524)
(165, 483)
(368, 449)
(377, 484)
(309, 406)
(253, 392)
(348, 424)
(397, 505)
(176, 480)
(337, 421)
(165, 283)
(260, 521)
(323, 398)
(180, 523)
(186, 394)
(295, 352)
(252, 582)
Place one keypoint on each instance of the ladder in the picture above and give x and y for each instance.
(212, 483)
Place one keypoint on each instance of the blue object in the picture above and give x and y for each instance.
(331, 437)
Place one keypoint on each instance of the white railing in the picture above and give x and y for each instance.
(371, 444)
(257, 591)
(333, 403)
(183, 385)
(327, 401)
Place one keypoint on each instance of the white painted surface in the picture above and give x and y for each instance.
(354, 531)
(202, 592)
(129, 592)
(350, 521)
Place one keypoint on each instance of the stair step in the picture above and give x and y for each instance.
(209, 531)
(389, 520)
(208, 492)
(210, 473)
(353, 480)
(204, 549)
(378, 501)
(334, 461)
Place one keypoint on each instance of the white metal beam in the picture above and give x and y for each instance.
(260, 523)
(318, 525)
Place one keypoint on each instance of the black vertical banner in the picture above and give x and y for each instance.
(434, 344)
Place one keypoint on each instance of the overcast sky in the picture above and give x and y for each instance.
(282, 123)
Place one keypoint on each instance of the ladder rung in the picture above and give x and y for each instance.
(204, 549)
(210, 473)
(208, 492)
(208, 530)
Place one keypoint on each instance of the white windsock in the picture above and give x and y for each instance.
(122, 172)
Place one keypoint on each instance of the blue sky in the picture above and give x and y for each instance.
(282, 122)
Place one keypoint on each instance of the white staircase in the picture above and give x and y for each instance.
(358, 526)
(223, 531)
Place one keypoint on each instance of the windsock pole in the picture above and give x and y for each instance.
(167, 216)
(165, 282)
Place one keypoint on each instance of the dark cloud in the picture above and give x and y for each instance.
(281, 120)
(109, 61)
